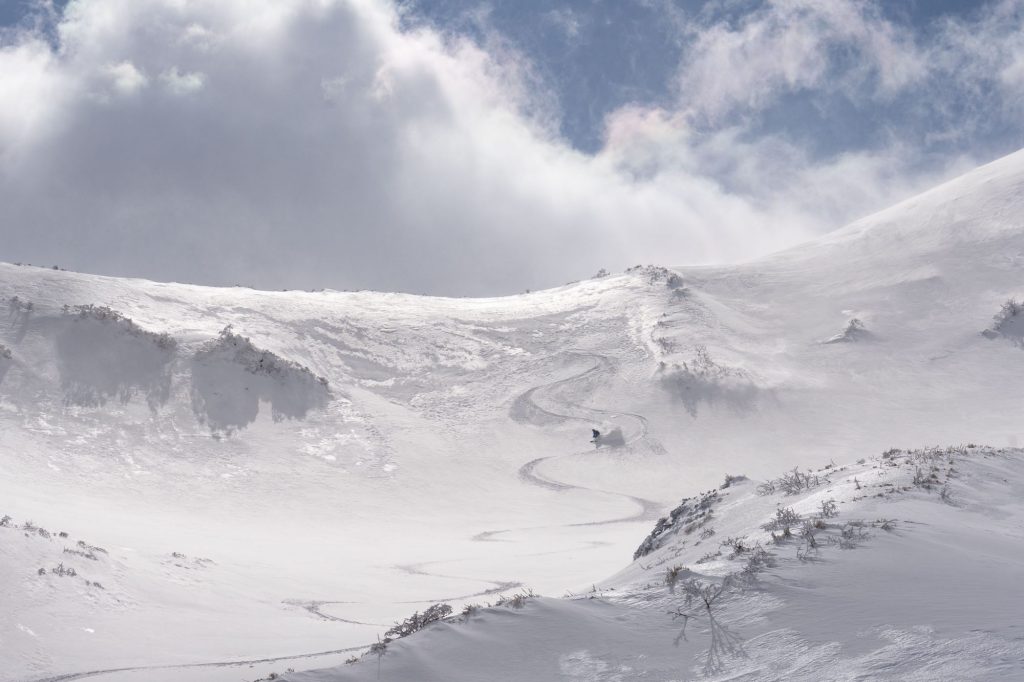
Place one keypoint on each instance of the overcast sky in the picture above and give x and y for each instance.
(473, 148)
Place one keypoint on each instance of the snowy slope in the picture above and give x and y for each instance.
(345, 458)
(900, 567)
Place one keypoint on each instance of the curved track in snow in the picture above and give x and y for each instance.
(192, 666)
(316, 608)
(529, 473)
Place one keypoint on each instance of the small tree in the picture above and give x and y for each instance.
(699, 599)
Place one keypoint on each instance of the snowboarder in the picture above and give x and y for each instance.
(597, 435)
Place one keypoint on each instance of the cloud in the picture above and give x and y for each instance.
(126, 78)
(310, 143)
(792, 45)
(179, 83)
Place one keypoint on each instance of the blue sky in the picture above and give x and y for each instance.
(462, 147)
(599, 55)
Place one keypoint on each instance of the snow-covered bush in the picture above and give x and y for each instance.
(418, 621)
(792, 483)
(757, 561)
(1008, 322)
(785, 519)
(737, 545)
(107, 315)
(691, 513)
(854, 331)
(517, 600)
(704, 380)
(673, 575)
(256, 360)
(90, 548)
(729, 480)
(63, 571)
(103, 355)
(1009, 310)
(19, 307)
(230, 376)
(5, 352)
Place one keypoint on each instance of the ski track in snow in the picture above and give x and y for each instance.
(648, 509)
(314, 607)
(528, 473)
(186, 666)
(499, 585)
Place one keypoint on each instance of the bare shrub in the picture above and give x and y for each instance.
(795, 481)
(418, 621)
(62, 571)
(758, 560)
(736, 545)
(785, 519)
(672, 576)
(808, 550)
(829, 509)
(517, 600)
(730, 480)
(92, 548)
(851, 535)
(699, 600)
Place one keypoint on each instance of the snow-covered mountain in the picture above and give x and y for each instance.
(276, 477)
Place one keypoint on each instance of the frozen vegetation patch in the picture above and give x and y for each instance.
(702, 380)
(1008, 323)
(793, 482)
(657, 274)
(691, 514)
(109, 316)
(102, 355)
(19, 312)
(231, 376)
(854, 331)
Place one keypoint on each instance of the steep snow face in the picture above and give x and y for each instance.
(345, 458)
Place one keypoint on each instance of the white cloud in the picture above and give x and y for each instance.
(328, 147)
(126, 78)
(182, 83)
(792, 45)
(33, 89)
